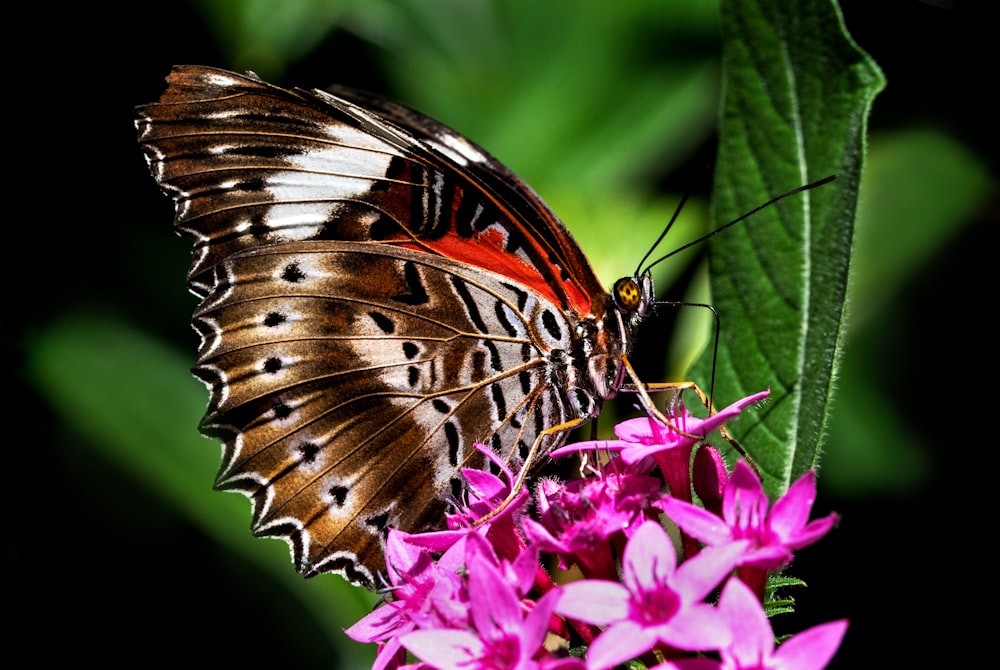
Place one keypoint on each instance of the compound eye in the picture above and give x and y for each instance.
(627, 294)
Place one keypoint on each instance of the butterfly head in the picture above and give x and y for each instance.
(633, 298)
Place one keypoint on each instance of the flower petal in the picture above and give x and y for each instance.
(697, 627)
(594, 601)
(495, 607)
(811, 649)
(753, 639)
(619, 643)
(745, 501)
(696, 522)
(649, 560)
(791, 511)
(444, 649)
(812, 532)
(698, 576)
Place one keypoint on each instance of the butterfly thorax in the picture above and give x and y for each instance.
(600, 343)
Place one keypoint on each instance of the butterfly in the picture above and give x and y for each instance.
(377, 295)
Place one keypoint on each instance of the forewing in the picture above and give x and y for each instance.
(251, 164)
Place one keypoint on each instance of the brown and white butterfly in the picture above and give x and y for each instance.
(378, 293)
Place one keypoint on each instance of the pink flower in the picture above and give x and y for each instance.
(578, 519)
(670, 446)
(425, 593)
(485, 494)
(773, 535)
(645, 436)
(752, 646)
(501, 634)
(657, 603)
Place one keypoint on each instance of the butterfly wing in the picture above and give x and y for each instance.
(350, 380)
(378, 293)
(252, 164)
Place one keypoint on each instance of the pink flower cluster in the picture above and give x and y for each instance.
(475, 597)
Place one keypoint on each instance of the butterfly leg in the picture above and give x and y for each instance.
(533, 453)
(643, 390)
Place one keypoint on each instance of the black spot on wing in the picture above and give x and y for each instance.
(292, 274)
(471, 308)
(339, 495)
(308, 451)
(522, 296)
(525, 378)
(274, 319)
(498, 400)
(551, 324)
(495, 363)
(467, 216)
(383, 322)
(478, 364)
(383, 227)
(416, 292)
(501, 312)
(454, 443)
(259, 151)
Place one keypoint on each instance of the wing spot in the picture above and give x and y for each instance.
(416, 294)
(272, 364)
(471, 308)
(457, 488)
(495, 361)
(523, 449)
(292, 274)
(551, 325)
(274, 319)
(259, 229)
(478, 364)
(501, 312)
(525, 378)
(339, 494)
(499, 401)
(522, 296)
(379, 523)
(454, 443)
(383, 228)
(410, 350)
(583, 402)
(308, 451)
(384, 323)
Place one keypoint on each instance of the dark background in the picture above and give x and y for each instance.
(99, 571)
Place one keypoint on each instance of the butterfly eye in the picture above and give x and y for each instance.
(627, 294)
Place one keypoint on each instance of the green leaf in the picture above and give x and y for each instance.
(795, 100)
(134, 402)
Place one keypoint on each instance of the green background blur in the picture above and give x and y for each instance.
(127, 557)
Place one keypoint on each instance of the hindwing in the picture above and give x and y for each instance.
(349, 382)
